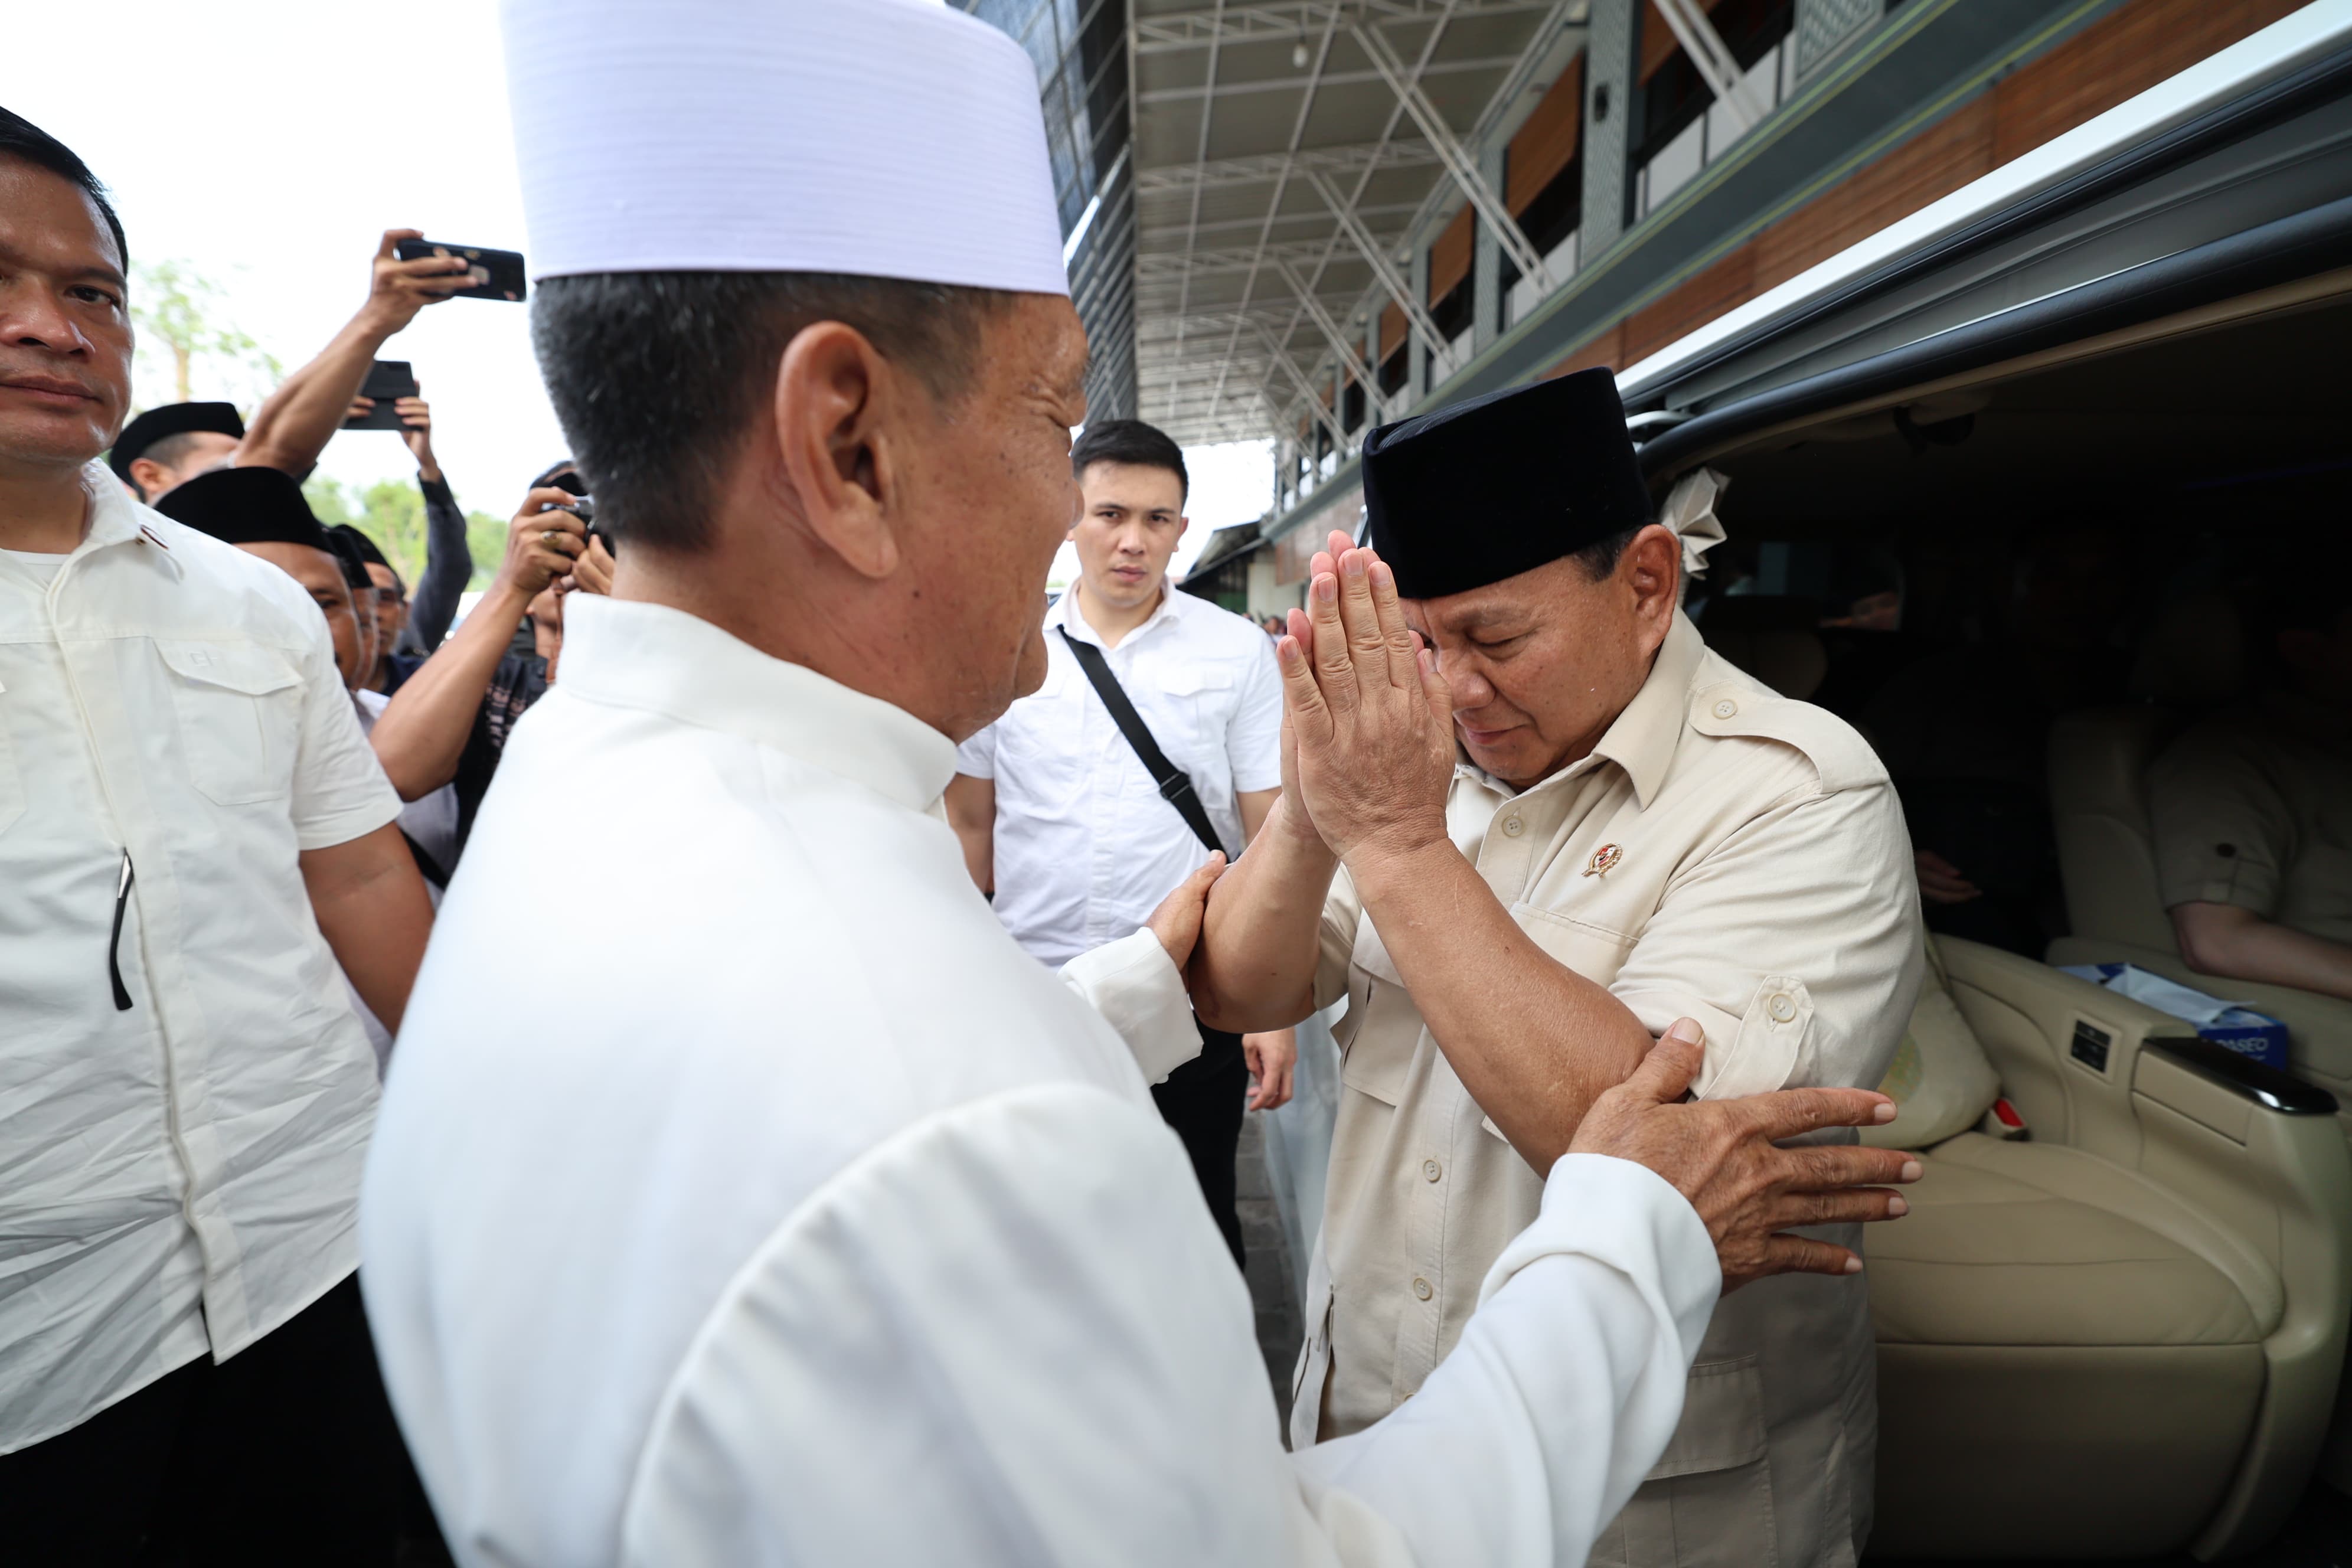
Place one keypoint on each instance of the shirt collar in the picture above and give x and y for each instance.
(1064, 613)
(1643, 737)
(632, 655)
(116, 518)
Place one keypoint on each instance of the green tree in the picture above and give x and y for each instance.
(180, 310)
(392, 512)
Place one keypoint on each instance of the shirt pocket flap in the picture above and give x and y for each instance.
(1383, 1030)
(1372, 955)
(1723, 1421)
(234, 666)
(1190, 679)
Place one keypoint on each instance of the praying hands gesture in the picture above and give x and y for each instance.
(1368, 719)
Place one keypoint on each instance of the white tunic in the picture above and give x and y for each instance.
(744, 1194)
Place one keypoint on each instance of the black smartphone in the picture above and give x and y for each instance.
(497, 274)
(388, 380)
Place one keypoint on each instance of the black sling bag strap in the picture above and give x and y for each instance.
(1175, 785)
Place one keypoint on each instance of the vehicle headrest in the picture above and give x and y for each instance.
(2194, 654)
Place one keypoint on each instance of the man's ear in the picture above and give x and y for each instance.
(1652, 568)
(148, 474)
(841, 424)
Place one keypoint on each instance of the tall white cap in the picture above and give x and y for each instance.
(878, 138)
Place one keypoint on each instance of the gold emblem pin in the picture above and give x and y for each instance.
(1603, 859)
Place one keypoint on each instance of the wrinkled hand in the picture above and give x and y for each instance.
(1271, 1057)
(542, 542)
(1940, 881)
(1721, 1156)
(397, 289)
(1369, 715)
(1177, 922)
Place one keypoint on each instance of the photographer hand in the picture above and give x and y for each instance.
(416, 419)
(593, 572)
(397, 289)
(542, 542)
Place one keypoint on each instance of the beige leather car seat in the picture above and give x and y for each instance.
(2122, 1336)
(2099, 760)
(1772, 639)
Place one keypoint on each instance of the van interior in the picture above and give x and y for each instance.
(2113, 1325)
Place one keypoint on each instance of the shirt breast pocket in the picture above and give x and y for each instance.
(1202, 693)
(239, 712)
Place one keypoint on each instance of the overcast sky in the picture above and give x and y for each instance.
(269, 143)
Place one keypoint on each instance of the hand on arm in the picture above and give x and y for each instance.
(372, 907)
(422, 733)
(1534, 1042)
(295, 423)
(2239, 945)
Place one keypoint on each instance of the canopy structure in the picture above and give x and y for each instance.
(1284, 153)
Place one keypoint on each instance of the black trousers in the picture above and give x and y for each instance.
(1202, 1101)
(285, 1453)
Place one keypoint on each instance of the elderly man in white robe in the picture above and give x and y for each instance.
(800, 1218)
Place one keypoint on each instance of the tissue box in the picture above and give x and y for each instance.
(2242, 1029)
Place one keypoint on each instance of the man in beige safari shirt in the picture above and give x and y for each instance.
(1631, 831)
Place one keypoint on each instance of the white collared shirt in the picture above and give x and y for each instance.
(819, 1224)
(1086, 847)
(179, 1175)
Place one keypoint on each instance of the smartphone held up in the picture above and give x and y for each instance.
(493, 274)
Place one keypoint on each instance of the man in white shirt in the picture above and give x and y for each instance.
(819, 1224)
(193, 835)
(1065, 823)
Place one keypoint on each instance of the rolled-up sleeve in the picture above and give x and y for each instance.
(1794, 942)
(2224, 832)
(976, 758)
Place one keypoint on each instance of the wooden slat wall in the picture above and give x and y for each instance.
(2121, 56)
(1658, 43)
(1547, 141)
(1449, 257)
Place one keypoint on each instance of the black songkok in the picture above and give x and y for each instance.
(347, 555)
(358, 541)
(248, 506)
(172, 419)
(1502, 484)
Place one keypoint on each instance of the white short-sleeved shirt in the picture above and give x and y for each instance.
(1086, 847)
(179, 1175)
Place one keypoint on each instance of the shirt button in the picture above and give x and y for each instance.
(1726, 709)
(1431, 1169)
(1420, 1289)
(1513, 826)
(1782, 1006)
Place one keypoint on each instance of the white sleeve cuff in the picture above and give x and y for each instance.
(1134, 984)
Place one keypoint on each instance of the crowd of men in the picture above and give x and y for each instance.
(729, 1184)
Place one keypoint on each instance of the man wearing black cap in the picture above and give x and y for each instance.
(172, 445)
(1522, 850)
(194, 838)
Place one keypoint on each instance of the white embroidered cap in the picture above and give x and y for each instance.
(878, 138)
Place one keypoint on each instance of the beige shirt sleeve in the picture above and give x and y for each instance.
(2224, 832)
(1343, 910)
(1794, 943)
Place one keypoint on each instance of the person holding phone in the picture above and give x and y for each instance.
(415, 628)
(295, 423)
(449, 722)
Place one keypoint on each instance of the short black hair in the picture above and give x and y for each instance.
(1129, 441)
(655, 375)
(167, 450)
(1600, 558)
(20, 138)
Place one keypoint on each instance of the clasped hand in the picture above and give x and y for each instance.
(1368, 722)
